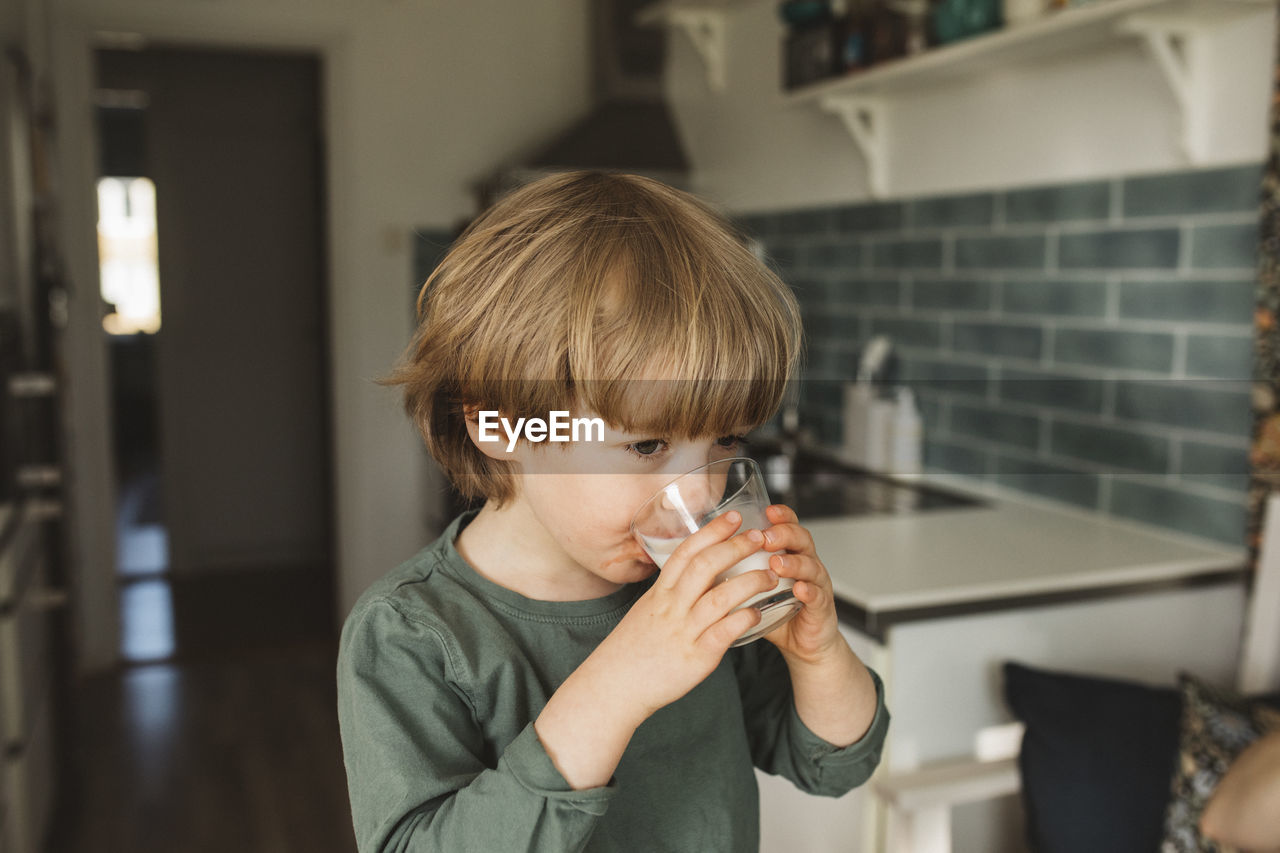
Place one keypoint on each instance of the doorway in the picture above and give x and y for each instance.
(211, 237)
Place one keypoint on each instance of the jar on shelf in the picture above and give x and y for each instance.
(954, 20)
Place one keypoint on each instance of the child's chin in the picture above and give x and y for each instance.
(628, 569)
(644, 570)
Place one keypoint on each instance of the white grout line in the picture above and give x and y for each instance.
(1108, 402)
(1112, 313)
(1184, 247)
(1180, 354)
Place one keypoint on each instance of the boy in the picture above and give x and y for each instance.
(531, 681)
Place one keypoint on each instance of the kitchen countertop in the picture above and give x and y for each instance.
(1010, 551)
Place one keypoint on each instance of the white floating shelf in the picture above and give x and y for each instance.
(703, 21)
(1066, 31)
(860, 99)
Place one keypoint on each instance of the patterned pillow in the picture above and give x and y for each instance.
(1217, 725)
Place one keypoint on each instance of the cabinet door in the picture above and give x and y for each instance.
(26, 694)
(791, 820)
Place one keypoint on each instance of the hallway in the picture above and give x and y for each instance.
(230, 752)
(221, 733)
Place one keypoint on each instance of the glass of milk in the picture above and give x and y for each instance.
(690, 502)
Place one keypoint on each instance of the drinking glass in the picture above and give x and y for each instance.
(690, 502)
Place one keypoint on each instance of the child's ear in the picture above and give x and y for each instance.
(492, 441)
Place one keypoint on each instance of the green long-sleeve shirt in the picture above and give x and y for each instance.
(441, 673)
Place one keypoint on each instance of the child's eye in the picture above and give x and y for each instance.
(646, 448)
(731, 442)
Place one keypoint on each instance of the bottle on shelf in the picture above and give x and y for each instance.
(905, 437)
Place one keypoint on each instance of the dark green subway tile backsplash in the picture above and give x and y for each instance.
(999, 339)
(783, 258)
(1088, 342)
(1207, 191)
(907, 254)
(880, 292)
(1192, 301)
(992, 424)
(868, 292)
(1058, 204)
(804, 222)
(833, 255)
(1213, 406)
(951, 294)
(950, 377)
(1051, 391)
(1156, 503)
(864, 218)
(1224, 246)
(1059, 482)
(955, 458)
(952, 211)
(1001, 252)
(1215, 464)
(1220, 356)
(1122, 449)
(1119, 249)
(911, 333)
(1068, 298)
(1124, 350)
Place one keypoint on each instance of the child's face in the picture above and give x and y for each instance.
(584, 494)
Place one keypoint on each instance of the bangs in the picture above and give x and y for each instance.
(681, 332)
(683, 408)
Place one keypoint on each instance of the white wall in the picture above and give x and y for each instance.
(422, 99)
(1104, 113)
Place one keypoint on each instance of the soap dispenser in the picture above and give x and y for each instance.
(856, 416)
(905, 437)
(864, 414)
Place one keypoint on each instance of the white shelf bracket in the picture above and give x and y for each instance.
(706, 29)
(1170, 43)
(864, 118)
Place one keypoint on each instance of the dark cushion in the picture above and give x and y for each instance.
(1096, 759)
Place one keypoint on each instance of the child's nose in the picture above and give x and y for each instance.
(696, 496)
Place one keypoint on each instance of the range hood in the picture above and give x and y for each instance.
(630, 127)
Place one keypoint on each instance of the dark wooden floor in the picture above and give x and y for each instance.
(231, 747)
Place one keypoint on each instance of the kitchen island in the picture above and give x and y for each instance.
(937, 599)
(1006, 553)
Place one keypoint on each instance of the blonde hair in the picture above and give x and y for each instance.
(606, 293)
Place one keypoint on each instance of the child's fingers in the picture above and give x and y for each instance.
(704, 566)
(721, 634)
(812, 595)
(717, 530)
(789, 536)
(800, 567)
(723, 597)
(781, 514)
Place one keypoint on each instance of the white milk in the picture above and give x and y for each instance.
(773, 613)
(660, 549)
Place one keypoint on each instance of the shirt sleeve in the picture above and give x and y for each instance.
(783, 745)
(419, 771)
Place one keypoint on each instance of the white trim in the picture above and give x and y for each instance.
(76, 33)
(1260, 653)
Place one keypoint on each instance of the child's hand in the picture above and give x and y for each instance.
(671, 639)
(677, 632)
(812, 634)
